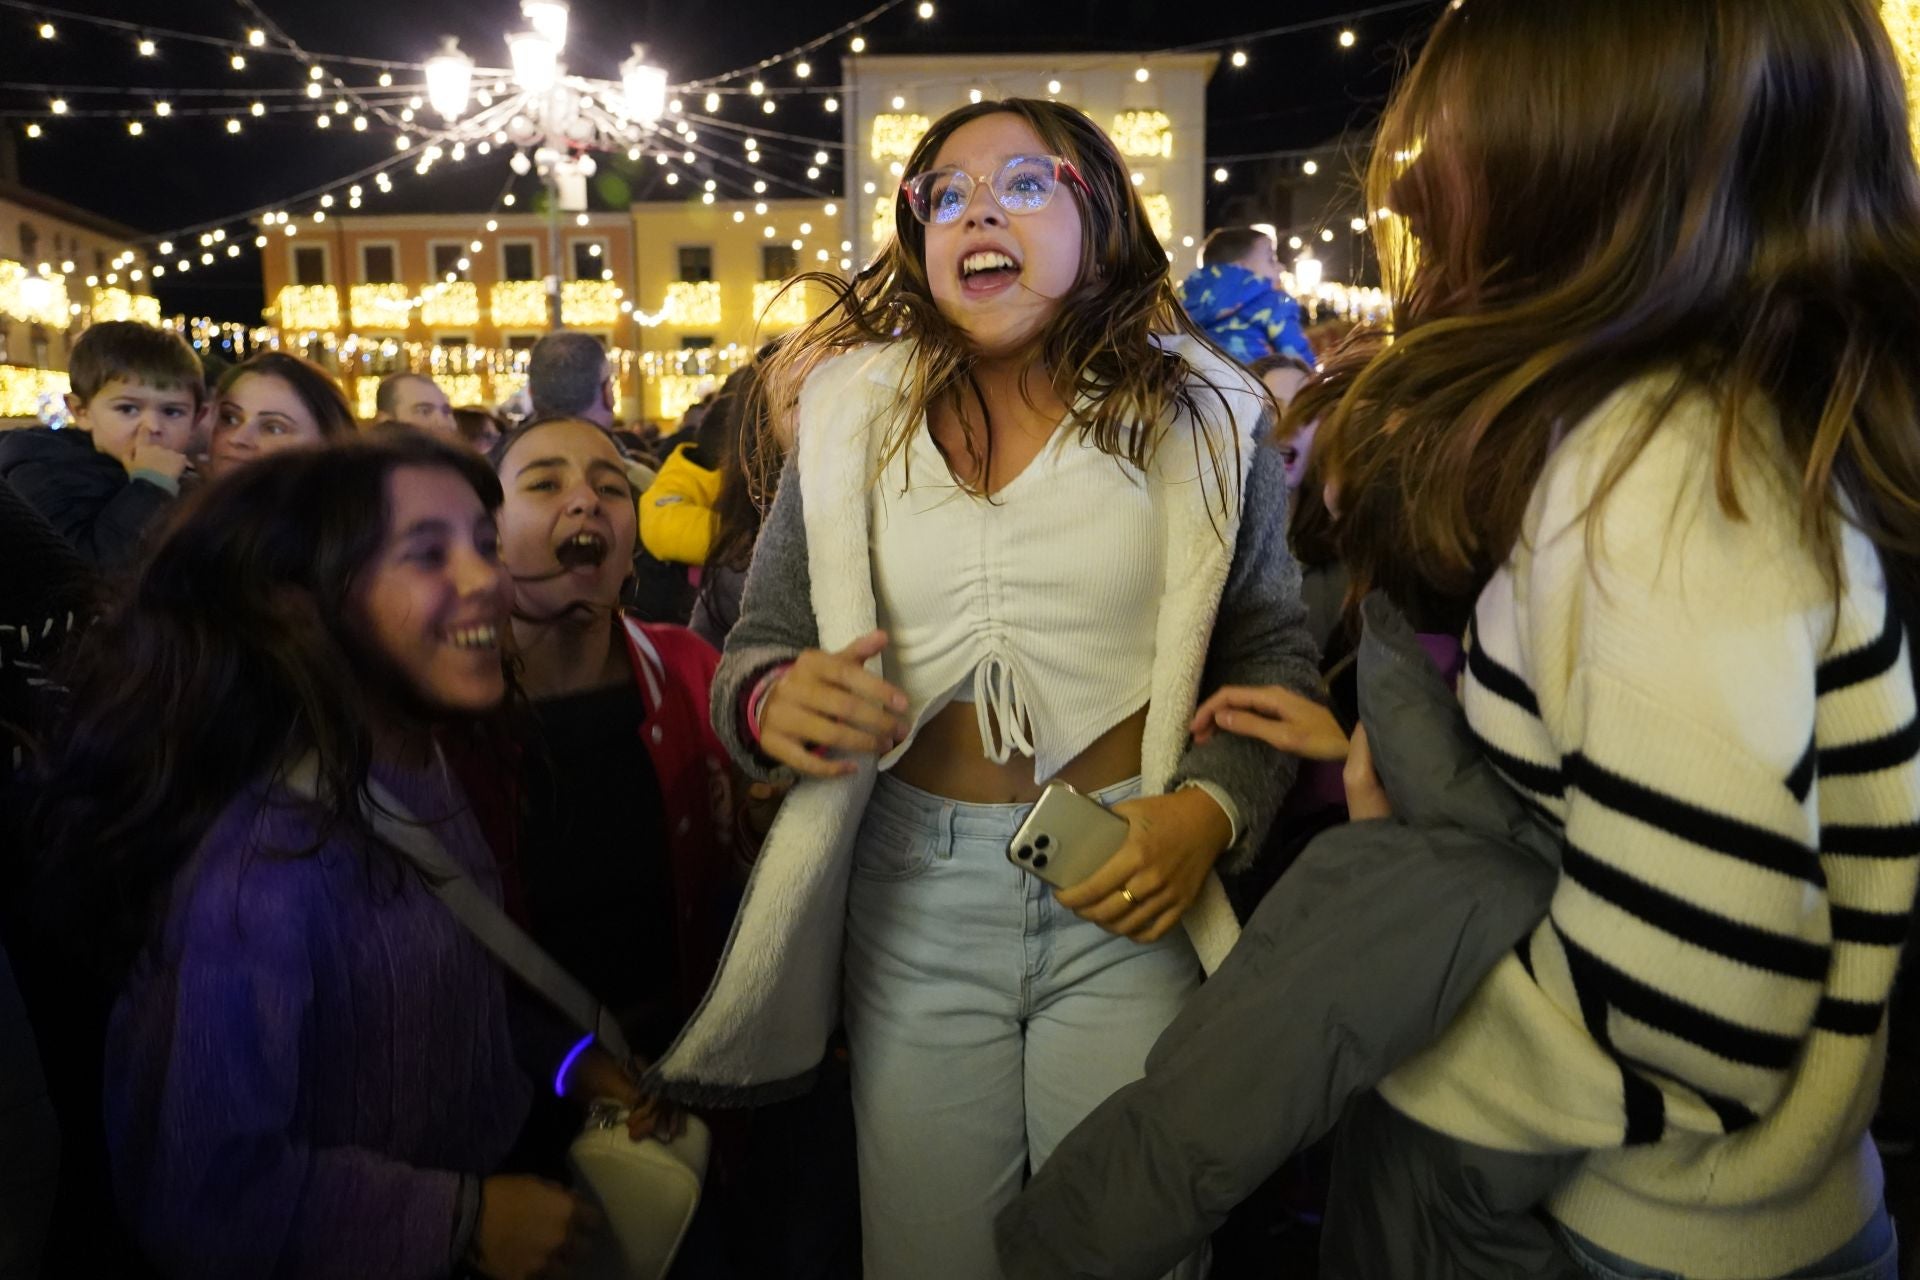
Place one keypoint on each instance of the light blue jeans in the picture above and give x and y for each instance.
(1873, 1254)
(984, 1022)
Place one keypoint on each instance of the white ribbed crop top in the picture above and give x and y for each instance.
(1039, 607)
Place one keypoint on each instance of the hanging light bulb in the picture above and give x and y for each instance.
(645, 86)
(148, 48)
(520, 164)
(712, 103)
(803, 69)
(449, 80)
(549, 18)
(536, 61)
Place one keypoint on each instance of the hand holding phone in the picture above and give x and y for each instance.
(1066, 838)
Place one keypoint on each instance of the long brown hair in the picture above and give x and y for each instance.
(232, 655)
(1098, 350)
(1723, 188)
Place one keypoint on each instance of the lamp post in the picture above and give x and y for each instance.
(551, 119)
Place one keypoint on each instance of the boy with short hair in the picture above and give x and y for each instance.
(137, 401)
(1236, 297)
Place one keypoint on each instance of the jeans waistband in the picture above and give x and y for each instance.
(904, 802)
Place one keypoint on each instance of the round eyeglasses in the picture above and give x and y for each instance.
(1024, 184)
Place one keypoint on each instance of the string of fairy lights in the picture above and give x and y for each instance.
(693, 150)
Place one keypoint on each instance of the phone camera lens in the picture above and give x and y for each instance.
(1040, 861)
(1042, 842)
(1024, 852)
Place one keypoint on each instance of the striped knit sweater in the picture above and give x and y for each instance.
(1733, 762)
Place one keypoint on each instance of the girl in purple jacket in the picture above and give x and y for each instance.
(310, 1068)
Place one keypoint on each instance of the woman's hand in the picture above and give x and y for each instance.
(1366, 798)
(596, 1074)
(832, 702)
(1275, 715)
(1148, 885)
(529, 1227)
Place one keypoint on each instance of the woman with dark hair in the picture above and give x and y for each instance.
(1023, 517)
(1650, 418)
(309, 1069)
(271, 402)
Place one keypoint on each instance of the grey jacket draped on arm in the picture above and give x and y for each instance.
(1358, 958)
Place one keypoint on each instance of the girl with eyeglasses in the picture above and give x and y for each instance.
(1024, 517)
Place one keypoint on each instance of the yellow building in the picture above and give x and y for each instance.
(61, 268)
(460, 296)
(710, 282)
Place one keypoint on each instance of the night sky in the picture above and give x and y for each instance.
(1297, 90)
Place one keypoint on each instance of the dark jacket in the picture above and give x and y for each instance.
(85, 495)
(1359, 957)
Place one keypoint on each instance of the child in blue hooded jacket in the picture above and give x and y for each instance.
(1236, 297)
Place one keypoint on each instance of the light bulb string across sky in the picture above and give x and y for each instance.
(411, 129)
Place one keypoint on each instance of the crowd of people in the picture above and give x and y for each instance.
(1508, 710)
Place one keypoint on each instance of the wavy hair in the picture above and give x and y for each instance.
(1723, 188)
(1098, 351)
(232, 655)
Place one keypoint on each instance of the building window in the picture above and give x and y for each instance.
(6, 343)
(309, 264)
(696, 262)
(689, 342)
(521, 341)
(37, 342)
(779, 262)
(447, 257)
(590, 260)
(100, 262)
(29, 242)
(378, 264)
(516, 260)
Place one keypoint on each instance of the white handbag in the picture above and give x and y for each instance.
(648, 1190)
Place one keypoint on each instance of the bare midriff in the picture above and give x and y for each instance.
(947, 759)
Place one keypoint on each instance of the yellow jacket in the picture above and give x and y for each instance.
(677, 523)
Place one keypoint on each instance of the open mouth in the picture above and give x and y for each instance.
(987, 271)
(582, 551)
(484, 636)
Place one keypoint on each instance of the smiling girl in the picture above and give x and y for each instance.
(309, 1069)
(1024, 516)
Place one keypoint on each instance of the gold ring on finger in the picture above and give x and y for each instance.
(1128, 895)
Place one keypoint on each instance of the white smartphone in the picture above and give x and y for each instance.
(1066, 837)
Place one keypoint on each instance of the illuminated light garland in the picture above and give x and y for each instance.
(366, 398)
(1903, 24)
(462, 388)
(693, 304)
(679, 392)
(454, 305)
(380, 306)
(882, 220)
(1160, 215)
(518, 304)
(1144, 135)
(590, 304)
(895, 136)
(22, 391)
(32, 297)
(113, 303)
(308, 307)
(775, 306)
